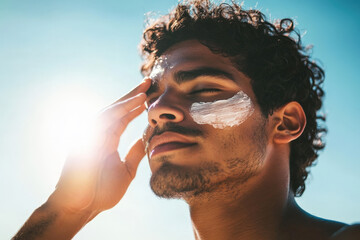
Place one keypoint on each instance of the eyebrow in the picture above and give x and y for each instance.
(186, 76)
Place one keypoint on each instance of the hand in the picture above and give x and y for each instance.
(95, 179)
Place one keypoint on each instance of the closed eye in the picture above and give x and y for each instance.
(205, 90)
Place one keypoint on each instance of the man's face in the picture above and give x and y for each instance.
(205, 128)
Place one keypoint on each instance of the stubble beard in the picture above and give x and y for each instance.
(174, 181)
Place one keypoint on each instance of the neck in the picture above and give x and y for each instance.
(251, 210)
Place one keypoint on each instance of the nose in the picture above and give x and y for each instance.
(164, 110)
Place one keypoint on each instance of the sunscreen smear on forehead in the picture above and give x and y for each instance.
(160, 65)
(223, 113)
(157, 69)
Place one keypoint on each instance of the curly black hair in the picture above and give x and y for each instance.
(271, 54)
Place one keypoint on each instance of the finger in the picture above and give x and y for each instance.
(121, 125)
(120, 109)
(141, 88)
(134, 156)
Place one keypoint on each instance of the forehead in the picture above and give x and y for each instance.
(190, 54)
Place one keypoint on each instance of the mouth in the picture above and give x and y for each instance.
(170, 146)
(168, 141)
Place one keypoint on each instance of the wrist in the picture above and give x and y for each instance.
(55, 206)
(65, 204)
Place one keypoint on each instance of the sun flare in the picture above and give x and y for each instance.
(66, 116)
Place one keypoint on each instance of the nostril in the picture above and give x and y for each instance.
(167, 116)
(153, 121)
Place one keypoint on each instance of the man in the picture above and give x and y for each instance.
(232, 104)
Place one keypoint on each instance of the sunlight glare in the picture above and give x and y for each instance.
(66, 117)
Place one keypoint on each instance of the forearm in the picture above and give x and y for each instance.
(50, 222)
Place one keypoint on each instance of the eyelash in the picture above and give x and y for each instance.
(203, 90)
(208, 90)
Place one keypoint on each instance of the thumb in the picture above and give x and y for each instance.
(134, 156)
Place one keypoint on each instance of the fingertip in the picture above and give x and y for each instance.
(142, 106)
(139, 144)
(146, 80)
(135, 155)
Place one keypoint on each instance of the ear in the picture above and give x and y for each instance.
(290, 122)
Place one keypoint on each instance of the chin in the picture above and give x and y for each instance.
(174, 181)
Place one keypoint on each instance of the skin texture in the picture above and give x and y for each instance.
(235, 180)
(212, 143)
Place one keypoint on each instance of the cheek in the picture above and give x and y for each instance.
(229, 142)
(246, 141)
(223, 113)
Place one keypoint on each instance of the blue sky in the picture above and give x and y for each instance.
(62, 60)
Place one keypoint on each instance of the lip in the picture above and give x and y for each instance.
(168, 141)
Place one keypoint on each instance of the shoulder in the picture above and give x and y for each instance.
(348, 232)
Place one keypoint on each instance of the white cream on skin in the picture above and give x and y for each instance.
(160, 65)
(157, 70)
(223, 113)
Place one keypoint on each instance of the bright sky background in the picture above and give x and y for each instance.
(61, 61)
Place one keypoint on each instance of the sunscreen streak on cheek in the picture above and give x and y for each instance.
(223, 113)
